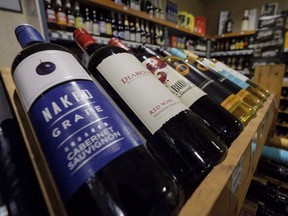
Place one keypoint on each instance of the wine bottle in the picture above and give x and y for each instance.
(187, 148)
(60, 16)
(252, 206)
(274, 154)
(79, 20)
(228, 27)
(235, 77)
(273, 169)
(20, 189)
(143, 32)
(147, 33)
(240, 79)
(197, 63)
(99, 162)
(268, 194)
(138, 31)
(126, 28)
(102, 25)
(120, 25)
(108, 24)
(245, 21)
(88, 21)
(132, 30)
(70, 17)
(226, 126)
(95, 24)
(50, 15)
(216, 92)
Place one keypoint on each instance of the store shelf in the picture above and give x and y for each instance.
(232, 53)
(123, 9)
(222, 192)
(233, 34)
(68, 36)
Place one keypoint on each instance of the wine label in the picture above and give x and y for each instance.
(143, 93)
(78, 129)
(51, 16)
(102, 27)
(70, 20)
(186, 91)
(232, 71)
(79, 22)
(224, 72)
(242, 93)
(108, 28)
(88, 26)
(61, 18)
(95, 29)
(230, 101)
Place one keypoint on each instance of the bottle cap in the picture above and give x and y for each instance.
(117, 42)
(26, 34)
(83, 38)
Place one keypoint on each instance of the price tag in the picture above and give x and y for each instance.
(237, 176)
(64, 36)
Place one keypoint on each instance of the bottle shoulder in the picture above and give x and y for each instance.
(102, 53)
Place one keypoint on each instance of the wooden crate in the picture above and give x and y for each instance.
(221, 193)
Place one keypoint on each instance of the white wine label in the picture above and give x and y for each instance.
(186, 91)
(151, 101)
(220, 68)
(233, 72)
(77, 127)
(41, 73)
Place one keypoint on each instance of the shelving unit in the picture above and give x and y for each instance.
(121, 8)
(222, 192)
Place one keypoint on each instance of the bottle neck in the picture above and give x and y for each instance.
(144, 49)
(118, 43)
(163, 52)
(85, 41)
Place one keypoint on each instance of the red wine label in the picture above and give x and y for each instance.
(152, 102)
(186, 91)
(78, 129)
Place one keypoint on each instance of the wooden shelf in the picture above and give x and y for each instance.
(224, 189)
(232, 53)
(233, 34)
(222, 192)
(282, 125)
(121, 8)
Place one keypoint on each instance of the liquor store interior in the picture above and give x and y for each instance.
(144, 107)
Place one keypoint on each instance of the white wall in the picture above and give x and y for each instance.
(9, 46)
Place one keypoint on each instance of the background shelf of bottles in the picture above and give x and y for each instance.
(229, 179)
(282, 118)
(131, 25)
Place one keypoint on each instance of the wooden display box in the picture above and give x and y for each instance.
(221, 193)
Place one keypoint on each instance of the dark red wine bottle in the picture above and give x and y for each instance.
(19, 187)
(217, 92)
(187, 148)
(99, 162)
(226, 126)
(268, 194)
(272, 169)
